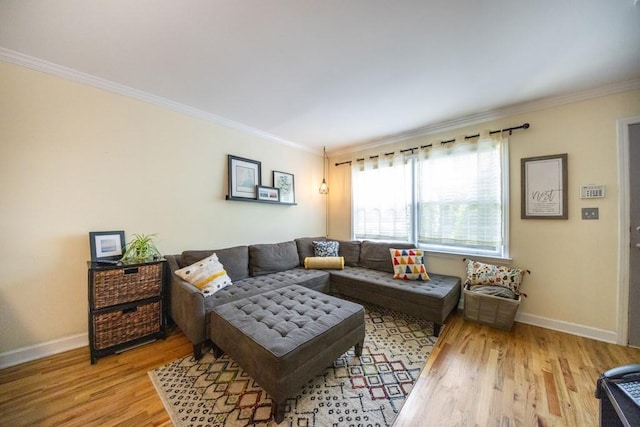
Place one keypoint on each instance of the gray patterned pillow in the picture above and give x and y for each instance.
(328, 248)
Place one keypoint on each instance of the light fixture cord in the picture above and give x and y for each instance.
(324, 163)
(326, 199)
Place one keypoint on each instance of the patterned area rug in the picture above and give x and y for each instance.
(368, 390)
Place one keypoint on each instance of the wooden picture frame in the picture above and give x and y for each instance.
(285, 182)
(544, 187)
(243, 177)
(270, 194)
(106, 245)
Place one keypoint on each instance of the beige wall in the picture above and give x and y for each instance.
(573, 285)
(75, 159)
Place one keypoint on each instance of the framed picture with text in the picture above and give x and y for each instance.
(544, 187)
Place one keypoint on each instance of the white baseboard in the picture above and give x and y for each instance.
(562, 326)
(568, 327)
(38, 351)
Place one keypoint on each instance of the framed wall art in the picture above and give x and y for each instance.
(285, 183)
(270, 194)
(106, 245)
(544, 187)
(244, 176)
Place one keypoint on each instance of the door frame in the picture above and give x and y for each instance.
(624, 212)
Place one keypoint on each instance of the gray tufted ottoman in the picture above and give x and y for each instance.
(283, 338)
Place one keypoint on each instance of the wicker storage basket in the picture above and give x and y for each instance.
(118, 286)
(490, 310)
(123, 325)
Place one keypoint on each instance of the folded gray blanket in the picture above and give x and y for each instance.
(496, 291)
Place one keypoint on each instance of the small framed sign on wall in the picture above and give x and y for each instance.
(544, 187)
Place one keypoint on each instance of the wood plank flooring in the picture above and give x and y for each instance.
(476, 376)
(66, 390)
(529, 376)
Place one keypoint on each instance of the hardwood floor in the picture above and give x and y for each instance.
(66, 390)
(476, 376)
(529, 376)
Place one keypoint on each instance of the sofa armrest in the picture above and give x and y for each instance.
(186, 304)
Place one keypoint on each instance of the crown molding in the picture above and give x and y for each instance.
(513, 110)
(41, 65)
(37, 64)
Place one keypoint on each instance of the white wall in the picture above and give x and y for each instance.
(574, 283)
(75, 159)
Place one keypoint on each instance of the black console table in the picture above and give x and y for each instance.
(616, 408)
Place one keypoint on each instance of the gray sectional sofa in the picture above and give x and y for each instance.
(254, 269)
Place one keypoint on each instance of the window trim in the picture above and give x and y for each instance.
(503, 254)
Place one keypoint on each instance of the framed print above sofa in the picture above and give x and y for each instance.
(284, 181)
(244, 176)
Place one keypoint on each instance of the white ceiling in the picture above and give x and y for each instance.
(334, 73)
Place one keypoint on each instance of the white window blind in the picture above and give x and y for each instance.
(461, 197)
(382, 198)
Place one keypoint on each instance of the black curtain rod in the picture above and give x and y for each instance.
(371, 157)
(510, 130)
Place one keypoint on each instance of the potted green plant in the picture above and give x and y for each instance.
(141, 248)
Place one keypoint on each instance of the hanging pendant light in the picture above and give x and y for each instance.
(324, 188)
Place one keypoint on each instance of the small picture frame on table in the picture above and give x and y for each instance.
(285, 183)
(244, 176)
(106, 245)
(270, 194)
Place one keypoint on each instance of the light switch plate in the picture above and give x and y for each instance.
(590, 213)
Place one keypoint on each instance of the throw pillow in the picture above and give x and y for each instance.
(479, 273)
(408, 264)
(328, 248)
(323, 262)
(207, 275)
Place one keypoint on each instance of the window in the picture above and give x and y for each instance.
(450, 198)
(382, 208)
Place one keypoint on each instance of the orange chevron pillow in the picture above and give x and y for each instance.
(408, 264)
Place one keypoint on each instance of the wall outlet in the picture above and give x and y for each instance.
(590, 213)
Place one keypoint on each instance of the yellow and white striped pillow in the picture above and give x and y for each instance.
(207, 275)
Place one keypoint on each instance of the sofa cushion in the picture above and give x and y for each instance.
(305, 247)
(191, 257)
(234, 259)
(207, 275)
(313, 279)
(375, 255)
(350, 250)
(272, 257)
(432, 300)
